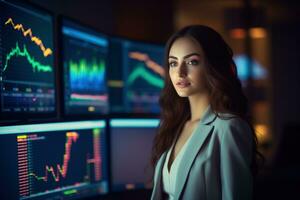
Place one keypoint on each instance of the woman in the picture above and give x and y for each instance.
(206, 147)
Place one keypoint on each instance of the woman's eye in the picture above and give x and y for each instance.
(193, 62)
(172, 64)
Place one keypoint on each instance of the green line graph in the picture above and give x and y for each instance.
(141, 72)
(17, 52)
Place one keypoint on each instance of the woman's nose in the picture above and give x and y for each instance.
(182, 71)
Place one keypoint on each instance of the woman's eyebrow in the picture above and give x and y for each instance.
(173, 57)
(186, 56)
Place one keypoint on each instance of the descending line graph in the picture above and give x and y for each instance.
(61, 171)
(148, 62)
(17, 52)
(28, 32)
(27, 66)
(145, 77)
(140, 72)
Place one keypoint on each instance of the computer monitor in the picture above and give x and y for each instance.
(131, 143)
(84, 60)
(62, 160)
(136, 76)
(27, 69)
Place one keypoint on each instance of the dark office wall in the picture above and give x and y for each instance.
(95, 13)
(286, 77)
(149, 20)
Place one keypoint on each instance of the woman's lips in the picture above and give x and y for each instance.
(183, 84)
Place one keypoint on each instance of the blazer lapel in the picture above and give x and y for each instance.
(202, 131)
(157, 187)
(195, 144)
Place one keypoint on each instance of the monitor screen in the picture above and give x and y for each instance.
(136, 76)
(131, 144)
(62, 160)
(27, 70)
(84, 64)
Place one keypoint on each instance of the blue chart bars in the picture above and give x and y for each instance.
(84, 62)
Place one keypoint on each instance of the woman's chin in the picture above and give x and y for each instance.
(183, 94)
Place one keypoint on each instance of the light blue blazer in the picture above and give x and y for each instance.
(216, 164)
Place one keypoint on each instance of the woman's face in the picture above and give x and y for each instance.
(186, 67)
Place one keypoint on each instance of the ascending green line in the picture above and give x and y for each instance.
(35, 64)
(141, 71)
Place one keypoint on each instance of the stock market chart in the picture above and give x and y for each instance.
(27, 74)
(84, 60)
(138, 76)
(66, 160)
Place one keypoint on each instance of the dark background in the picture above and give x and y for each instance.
(154, 21)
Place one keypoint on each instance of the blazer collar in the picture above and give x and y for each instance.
(202, 131)
(208, 116)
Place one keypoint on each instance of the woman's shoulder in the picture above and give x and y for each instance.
(230, 122)
(232, 131)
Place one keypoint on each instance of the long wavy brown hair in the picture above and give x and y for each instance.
(225, 91)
